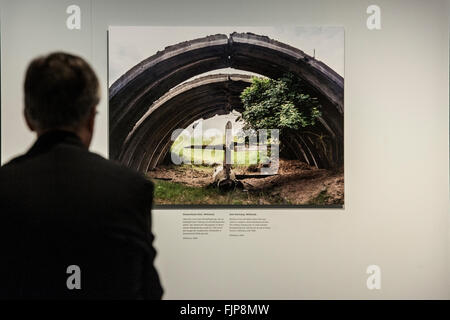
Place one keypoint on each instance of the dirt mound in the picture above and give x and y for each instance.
(323, 189)
(295, 183)
(293, 166)
(196, 176)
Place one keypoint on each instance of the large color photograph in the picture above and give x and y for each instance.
(230, 116)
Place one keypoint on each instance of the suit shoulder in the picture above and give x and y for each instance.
(119, 170)
(125, 183)
(10, 169)
(14, 161)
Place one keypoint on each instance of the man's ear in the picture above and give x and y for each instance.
(28, 121)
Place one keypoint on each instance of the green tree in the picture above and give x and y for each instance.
(281, 104)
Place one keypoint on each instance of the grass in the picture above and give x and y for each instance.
(167, 192)
(181, 147)
(198, 167)
(320, 199)
(198, 156)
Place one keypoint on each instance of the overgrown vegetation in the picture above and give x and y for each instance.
(281, 104)
(321, 199)
(167, 192)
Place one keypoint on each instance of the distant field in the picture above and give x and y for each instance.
(182, 148)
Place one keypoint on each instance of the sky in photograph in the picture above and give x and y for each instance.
(130, 45)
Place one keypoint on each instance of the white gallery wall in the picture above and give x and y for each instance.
(397, 198)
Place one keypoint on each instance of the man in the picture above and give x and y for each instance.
(73, 224)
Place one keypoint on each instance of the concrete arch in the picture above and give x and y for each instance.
(148, 143)
(133, 93)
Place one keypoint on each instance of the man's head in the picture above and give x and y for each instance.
(61, 93)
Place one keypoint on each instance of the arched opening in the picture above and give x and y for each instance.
(179, 86)
(151, 81)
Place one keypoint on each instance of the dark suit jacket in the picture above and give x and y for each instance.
(61, 205)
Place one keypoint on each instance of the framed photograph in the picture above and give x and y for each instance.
(230, 116)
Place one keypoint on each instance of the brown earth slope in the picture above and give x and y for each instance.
(296, 181)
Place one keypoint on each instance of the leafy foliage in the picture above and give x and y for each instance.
(279, 104)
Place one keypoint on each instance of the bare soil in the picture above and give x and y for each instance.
(296, 181)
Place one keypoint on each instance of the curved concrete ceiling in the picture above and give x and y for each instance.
(150, 140)
(133, 93)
